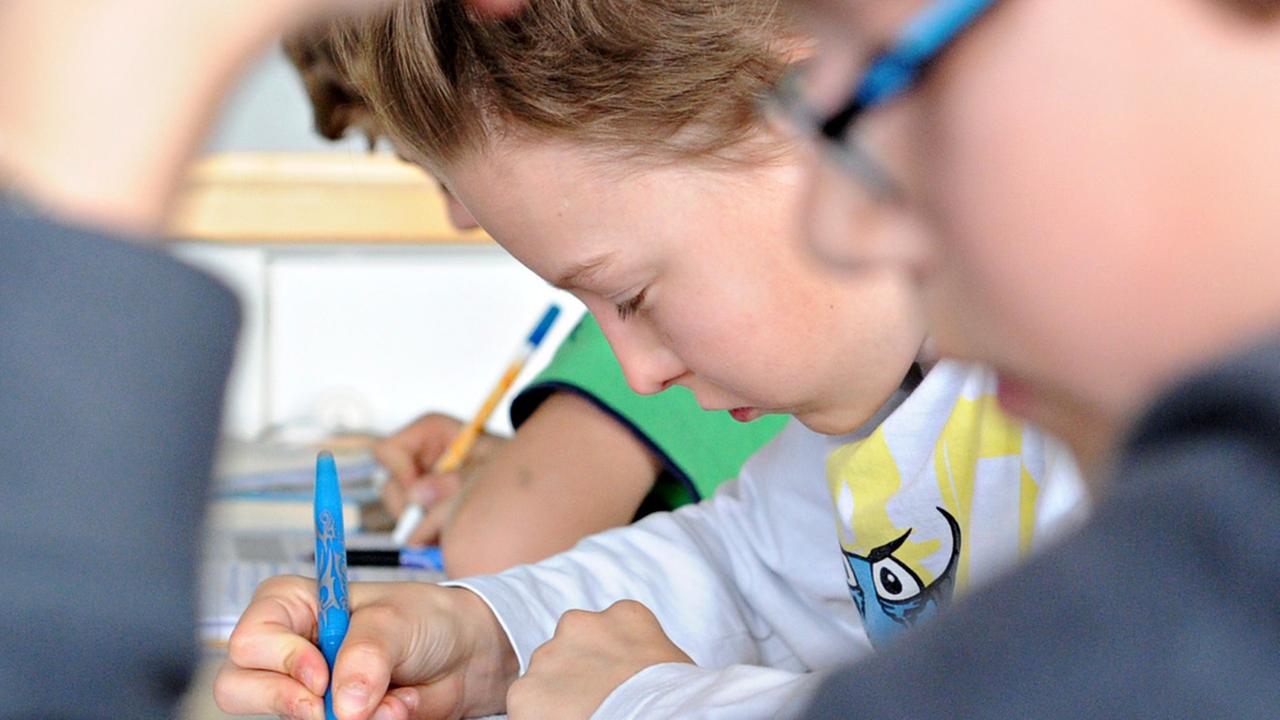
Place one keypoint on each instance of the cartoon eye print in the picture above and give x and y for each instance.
(849, 577)
(894, 581)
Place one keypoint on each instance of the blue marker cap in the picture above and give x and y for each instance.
(426, 558)
(544, 326)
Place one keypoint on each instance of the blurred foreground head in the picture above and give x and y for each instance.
(1084, 189)
(106, 100)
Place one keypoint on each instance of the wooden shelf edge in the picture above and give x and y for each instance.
(313, 198)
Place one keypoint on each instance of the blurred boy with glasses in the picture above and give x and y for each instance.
(1084, 191)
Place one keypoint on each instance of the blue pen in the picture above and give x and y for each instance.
(331, 569)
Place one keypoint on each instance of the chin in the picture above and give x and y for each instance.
(828, 422)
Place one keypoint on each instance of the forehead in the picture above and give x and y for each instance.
(556, 206)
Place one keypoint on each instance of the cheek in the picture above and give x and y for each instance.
(1033, 182)
(712, 326)
(1014, 222)
(738, 329)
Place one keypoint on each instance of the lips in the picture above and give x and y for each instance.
(745, 414)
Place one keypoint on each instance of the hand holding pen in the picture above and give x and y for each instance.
(408, 456)
(469, 434)
(412, 650)
(361, 663)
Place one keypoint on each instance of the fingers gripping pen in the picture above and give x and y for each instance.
(334, 612)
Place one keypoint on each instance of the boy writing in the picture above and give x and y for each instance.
(614, 149)
(525, 499)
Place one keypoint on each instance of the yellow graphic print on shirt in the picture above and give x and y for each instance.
(915, 508)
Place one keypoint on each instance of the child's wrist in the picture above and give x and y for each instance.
(492, 664)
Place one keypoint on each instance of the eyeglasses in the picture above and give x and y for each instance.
(891, 73)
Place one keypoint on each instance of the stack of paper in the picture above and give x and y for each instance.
(270, 485)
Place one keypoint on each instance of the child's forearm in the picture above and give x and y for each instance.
(571, 471)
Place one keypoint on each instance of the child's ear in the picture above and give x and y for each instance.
(459, 215)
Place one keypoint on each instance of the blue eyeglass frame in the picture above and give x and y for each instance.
(900, 67)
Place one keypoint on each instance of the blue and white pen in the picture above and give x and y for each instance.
(334, 614)
(456, 453)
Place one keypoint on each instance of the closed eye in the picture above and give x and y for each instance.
(630, 307)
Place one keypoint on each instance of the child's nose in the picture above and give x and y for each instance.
(651, 370)
(648, 365)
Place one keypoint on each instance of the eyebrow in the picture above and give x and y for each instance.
(575, 275)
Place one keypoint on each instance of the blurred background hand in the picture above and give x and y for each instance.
(408, 456)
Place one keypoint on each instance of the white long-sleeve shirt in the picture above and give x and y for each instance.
(757, 584)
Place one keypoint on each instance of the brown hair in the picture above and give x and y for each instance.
(1257, 9)
(671, 79)
(666, 79)
(336, 106)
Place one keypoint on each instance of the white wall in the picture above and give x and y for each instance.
(366, 338)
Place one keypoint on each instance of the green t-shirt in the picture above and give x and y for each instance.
(698, 449)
